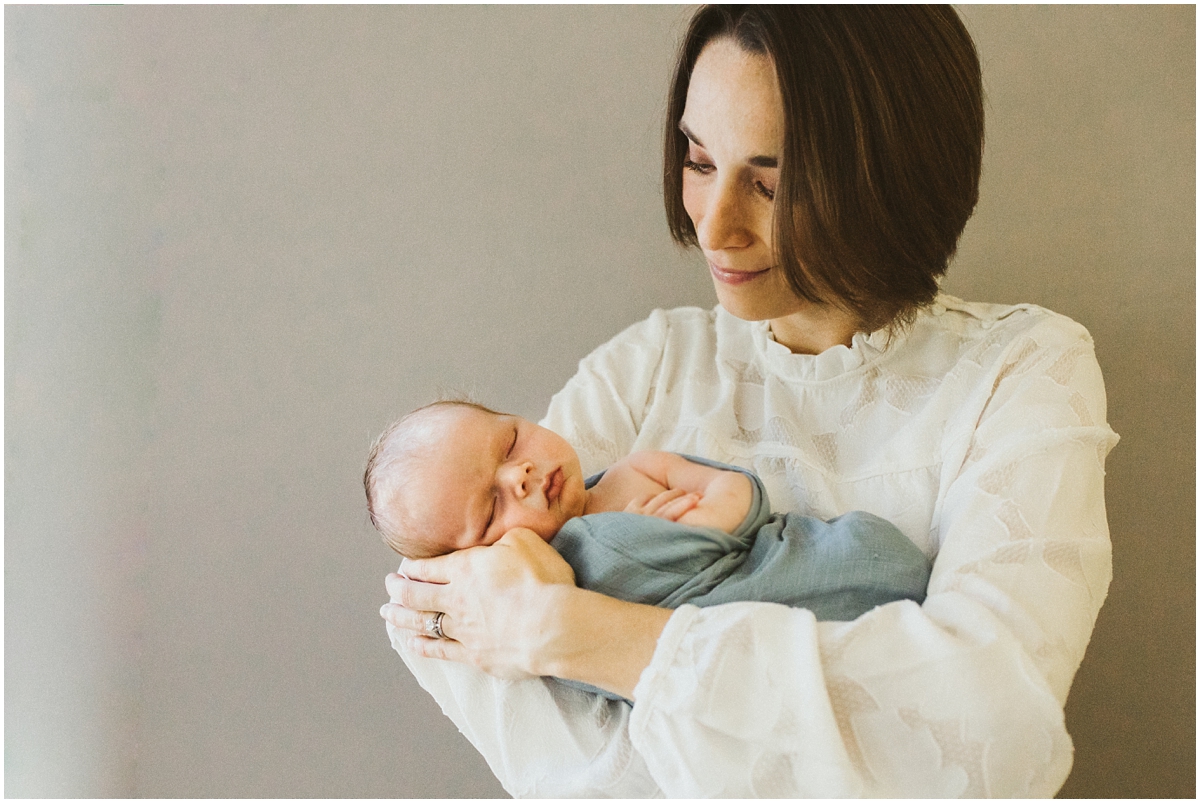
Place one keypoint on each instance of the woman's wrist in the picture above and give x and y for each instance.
(599, 640)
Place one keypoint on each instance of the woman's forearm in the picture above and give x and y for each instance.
(598, 640)
(512, 609)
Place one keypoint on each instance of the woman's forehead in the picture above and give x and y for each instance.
(733, 98)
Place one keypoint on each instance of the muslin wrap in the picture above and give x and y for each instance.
(838, 569)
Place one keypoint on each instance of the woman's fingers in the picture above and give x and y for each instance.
(392, 584)
(430, 570)
(426, 585)
(416, 595)
(407, 619)
(497, 603)
(417, 622)
(443, 649)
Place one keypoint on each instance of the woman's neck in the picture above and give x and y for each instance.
(814, 329)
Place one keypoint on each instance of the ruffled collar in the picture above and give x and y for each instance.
(829, 364)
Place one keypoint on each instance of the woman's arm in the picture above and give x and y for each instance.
(530, 731)
(518, 614)
(960, 696)
(512, 610)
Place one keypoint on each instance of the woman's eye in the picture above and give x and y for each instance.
(765, 191)
(697, 167)
(512, 445)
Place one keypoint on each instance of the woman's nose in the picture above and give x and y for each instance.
(723, 224)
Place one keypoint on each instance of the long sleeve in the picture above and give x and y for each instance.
(602, 408)
(981, 435)
(961, 696)
(540, 738)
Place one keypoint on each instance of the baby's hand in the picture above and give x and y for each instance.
(670, 505)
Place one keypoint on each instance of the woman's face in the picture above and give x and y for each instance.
(733, 119)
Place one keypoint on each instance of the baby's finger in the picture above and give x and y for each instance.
(674, 510)
(655, 505)
(637, 504)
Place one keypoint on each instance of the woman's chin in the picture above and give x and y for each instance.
(748, 309)
(758, 301)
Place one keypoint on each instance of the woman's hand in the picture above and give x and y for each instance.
(512, 610)
(497, 602)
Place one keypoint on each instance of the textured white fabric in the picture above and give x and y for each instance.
(980, 433)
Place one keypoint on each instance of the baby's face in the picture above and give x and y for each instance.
(486, 474)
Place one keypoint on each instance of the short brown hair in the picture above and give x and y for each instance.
(882, 146)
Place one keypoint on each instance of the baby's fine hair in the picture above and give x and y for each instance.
(383, 477)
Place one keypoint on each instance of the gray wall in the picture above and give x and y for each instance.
(238, 240)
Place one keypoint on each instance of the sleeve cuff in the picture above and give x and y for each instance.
(655, 676)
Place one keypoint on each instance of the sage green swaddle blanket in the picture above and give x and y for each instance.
(838, 569)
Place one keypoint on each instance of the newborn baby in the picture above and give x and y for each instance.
(656, 528)
(453, 475)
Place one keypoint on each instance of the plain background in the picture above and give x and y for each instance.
(239, 240)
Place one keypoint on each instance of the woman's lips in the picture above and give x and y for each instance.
(735, 276)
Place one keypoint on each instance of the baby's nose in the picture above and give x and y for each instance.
(520, 478)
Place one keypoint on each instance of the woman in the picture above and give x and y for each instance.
(825, 160)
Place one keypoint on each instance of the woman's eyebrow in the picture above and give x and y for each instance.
(687, 132)
(754, 161)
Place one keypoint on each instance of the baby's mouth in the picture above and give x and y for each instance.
(553, 484)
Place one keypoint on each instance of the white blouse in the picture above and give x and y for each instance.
(980, 432)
